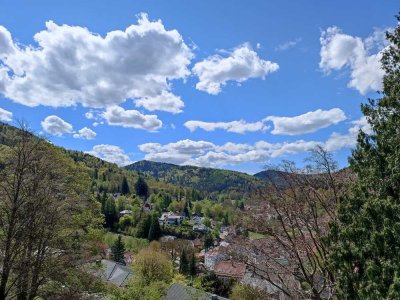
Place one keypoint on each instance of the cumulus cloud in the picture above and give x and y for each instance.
(85, 133)
(166, 101)
(5, 115)
(111, 153)
(241, 64)
(56, 126)
(71, 65)
(339, 50)
(306, 123)
(207, 154)
(116, 115)
(338, 141)
(234, 126)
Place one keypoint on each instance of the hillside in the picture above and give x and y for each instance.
(105, 176)
(203, 179)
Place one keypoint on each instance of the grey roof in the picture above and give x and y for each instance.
(180, 292)
(115, 273)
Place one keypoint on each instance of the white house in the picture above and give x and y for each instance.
(169, 218)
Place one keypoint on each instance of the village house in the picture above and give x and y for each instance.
(200, 228)
(212, 257)
(229, 269)
(125, 212)
(170, 218)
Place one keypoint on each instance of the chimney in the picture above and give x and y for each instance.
(214, 297)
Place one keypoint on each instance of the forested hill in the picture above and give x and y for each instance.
(105, 176)
(203, 179)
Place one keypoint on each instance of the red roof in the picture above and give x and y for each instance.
(230, 269)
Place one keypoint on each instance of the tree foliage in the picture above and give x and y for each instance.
(366, 239)
(118, 250)
(141, 188)
(46, 217)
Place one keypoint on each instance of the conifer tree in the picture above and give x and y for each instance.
(208, 241)
(144, 227)
(118, 250)
(366, 238)
(141, 188)
(125, 186)
(183, 263)
(192, 265)
(155, 230)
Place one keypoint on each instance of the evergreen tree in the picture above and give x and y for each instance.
(125, 187)
(208, 241)
(186, 210)
(118, 250)
(141, 188)
(183, 263)
(155, 230)
(192, 265)
(144, 227)
(366, 238)
(110, 213)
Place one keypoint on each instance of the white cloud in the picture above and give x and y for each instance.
(338, 141)
(207, 154)
(166, 101)
(89, 115)
(71, 65)
(241, 64)
(111, 153)
(234, 126)
(5, 115)
(56, 126)
(85, 133)
(287, 45)
(306, 123)
(339, 50)
(116, 115)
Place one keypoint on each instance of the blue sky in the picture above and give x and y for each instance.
(228, 84)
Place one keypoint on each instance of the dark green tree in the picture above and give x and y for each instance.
(144, 227)
(192, 265)
(208, 241)
(366, 238)
(186, 210)
(141, 188)
(125, 186)
(118, 250)
(110, 213)
(154, 230)
(183, 263)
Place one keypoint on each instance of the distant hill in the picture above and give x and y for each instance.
(203, 179)
(105, 176)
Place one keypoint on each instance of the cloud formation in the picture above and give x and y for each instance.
(207, 154)
(166, 101)
(306, 123)
(240, 65)
(136, 63)
(85, 133)
(117, 116)
(301, 124)
(111, 153)
(56, 126)
(5, 115)
(339, 50)
(240, 126)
